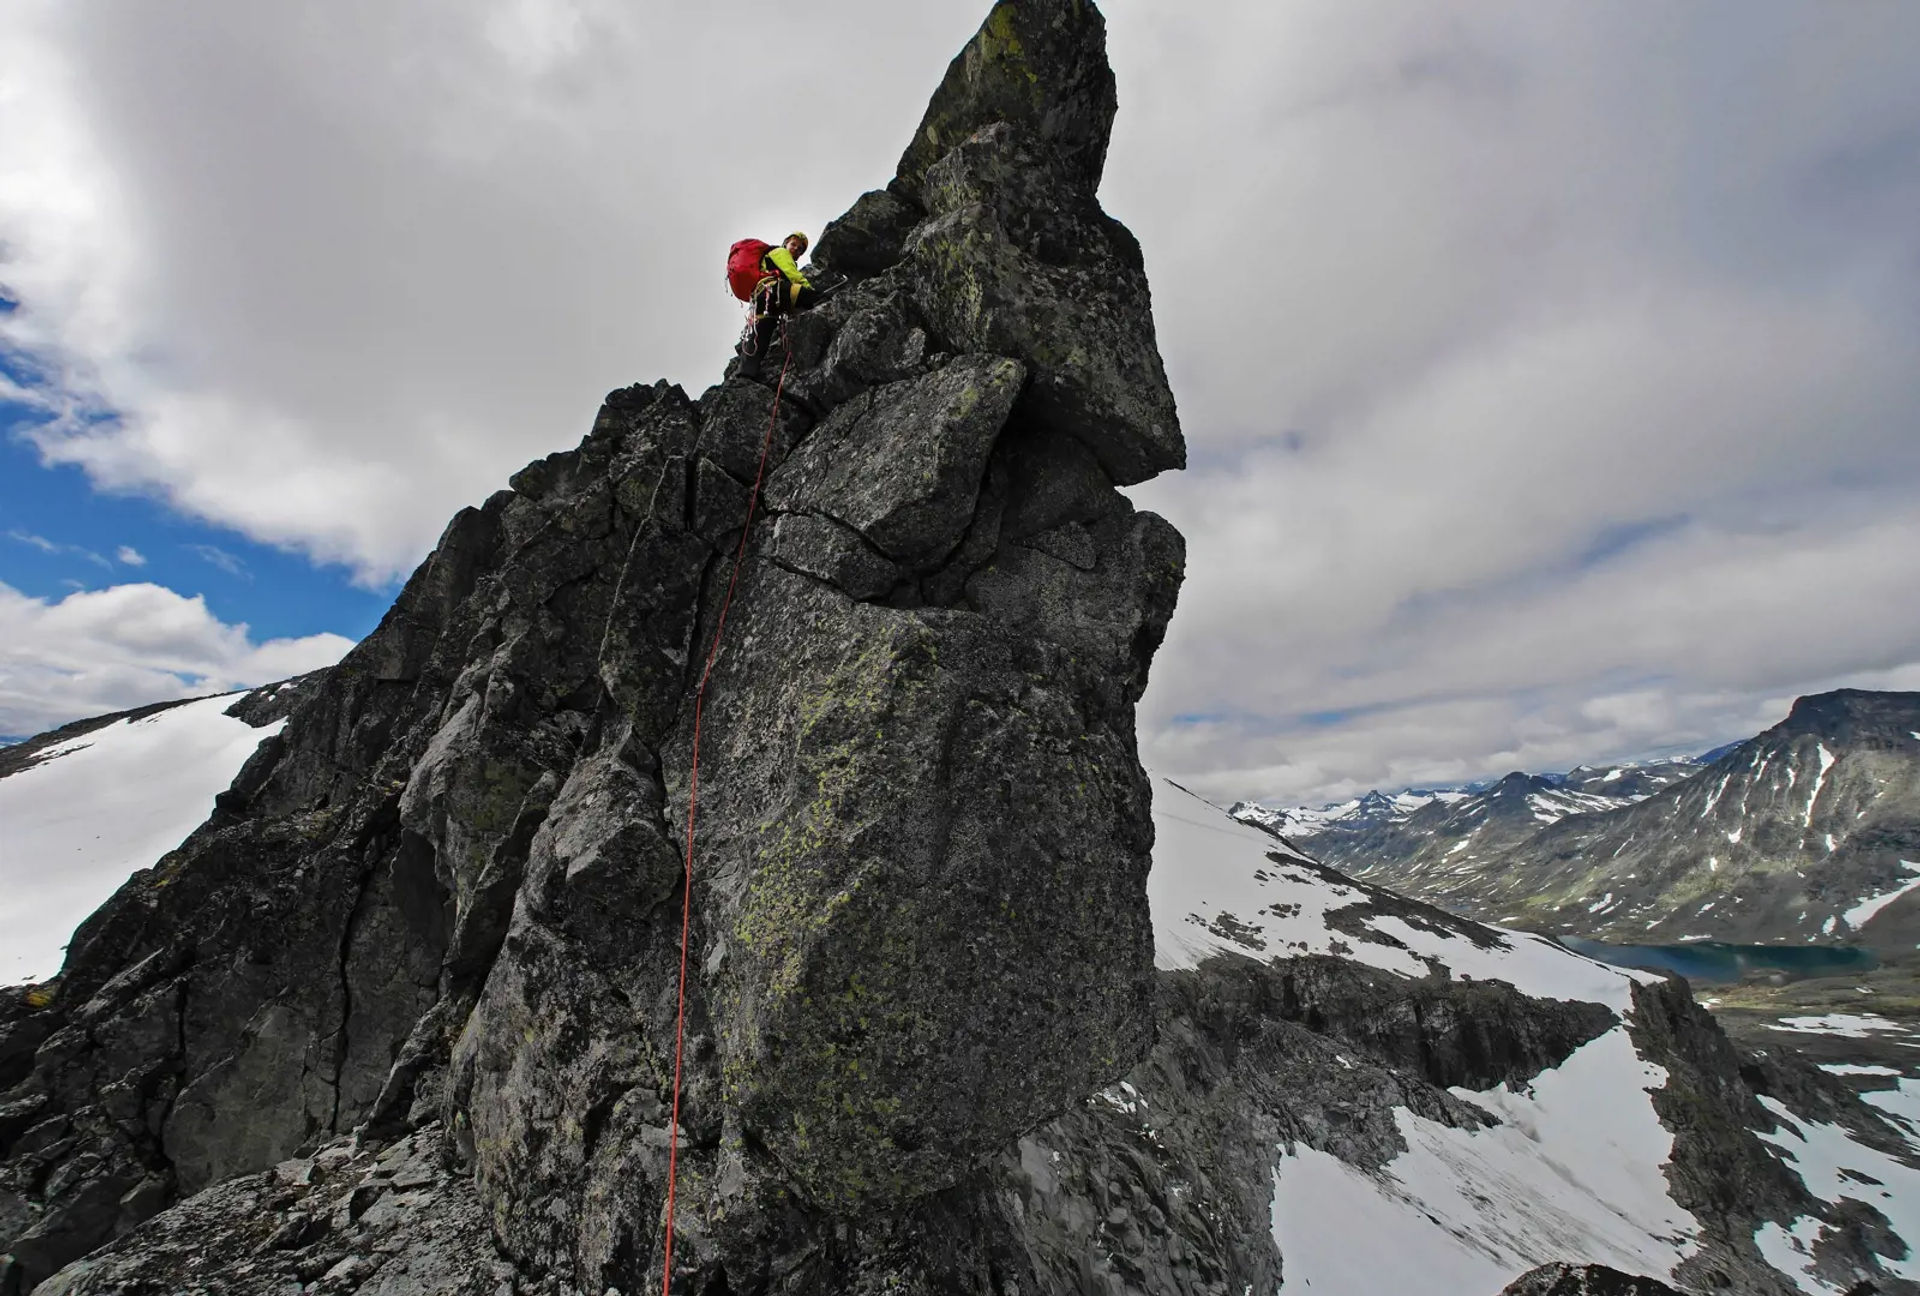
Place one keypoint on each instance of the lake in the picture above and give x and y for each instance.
(1712, 961)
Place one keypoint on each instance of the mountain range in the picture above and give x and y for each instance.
(1340, 826)
(1806, 832)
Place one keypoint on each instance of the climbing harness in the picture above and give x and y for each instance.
(749, 340)
(693, 806)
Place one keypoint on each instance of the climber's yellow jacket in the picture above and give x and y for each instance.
(781, 260)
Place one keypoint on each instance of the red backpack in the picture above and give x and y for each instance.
(743, 267)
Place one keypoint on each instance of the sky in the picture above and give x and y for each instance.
(1550, 373)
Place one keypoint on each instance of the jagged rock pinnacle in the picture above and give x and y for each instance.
(994, 220)
(1038, 65)
(450, 890)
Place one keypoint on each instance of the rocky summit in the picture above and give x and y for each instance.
(443, 905)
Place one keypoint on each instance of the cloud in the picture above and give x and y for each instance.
(129, 556)
(215, 556)
(98, 651)
(1568, 411)
(41, 543)
(14, 393)
(1550, 375)
(54, 547)
(1702, 634)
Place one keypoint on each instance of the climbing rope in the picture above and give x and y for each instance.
(693, 805)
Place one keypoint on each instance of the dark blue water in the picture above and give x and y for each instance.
(1713, 961)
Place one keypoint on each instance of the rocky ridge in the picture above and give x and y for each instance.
(1361, 1055)
(1584, 1280)
(450, 889)
(1159, 1182)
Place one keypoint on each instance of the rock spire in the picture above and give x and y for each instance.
(443, 905)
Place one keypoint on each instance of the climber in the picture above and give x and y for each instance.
(780, 289)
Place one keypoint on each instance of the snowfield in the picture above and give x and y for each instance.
(1471, 1210)
(99, 807)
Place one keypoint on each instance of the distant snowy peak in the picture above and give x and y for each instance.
(1372, 810)
(1536, 798)
(1581, 790)
(1809, 831)
(1634, 779)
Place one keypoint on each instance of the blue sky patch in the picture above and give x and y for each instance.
(59, 535)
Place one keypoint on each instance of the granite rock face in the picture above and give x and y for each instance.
(1005, 247)
(448, 895)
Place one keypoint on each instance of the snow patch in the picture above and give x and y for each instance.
(1791, 1252)
(1323, 1208)
(1902, 1102)
(74, 826)
(1826, 763)
(1851, 1025)
(1862, 914)
(1714, 799)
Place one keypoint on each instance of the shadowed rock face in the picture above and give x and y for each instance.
(451, 888)
(1585, 1280)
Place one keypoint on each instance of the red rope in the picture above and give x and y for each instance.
(693, 806)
